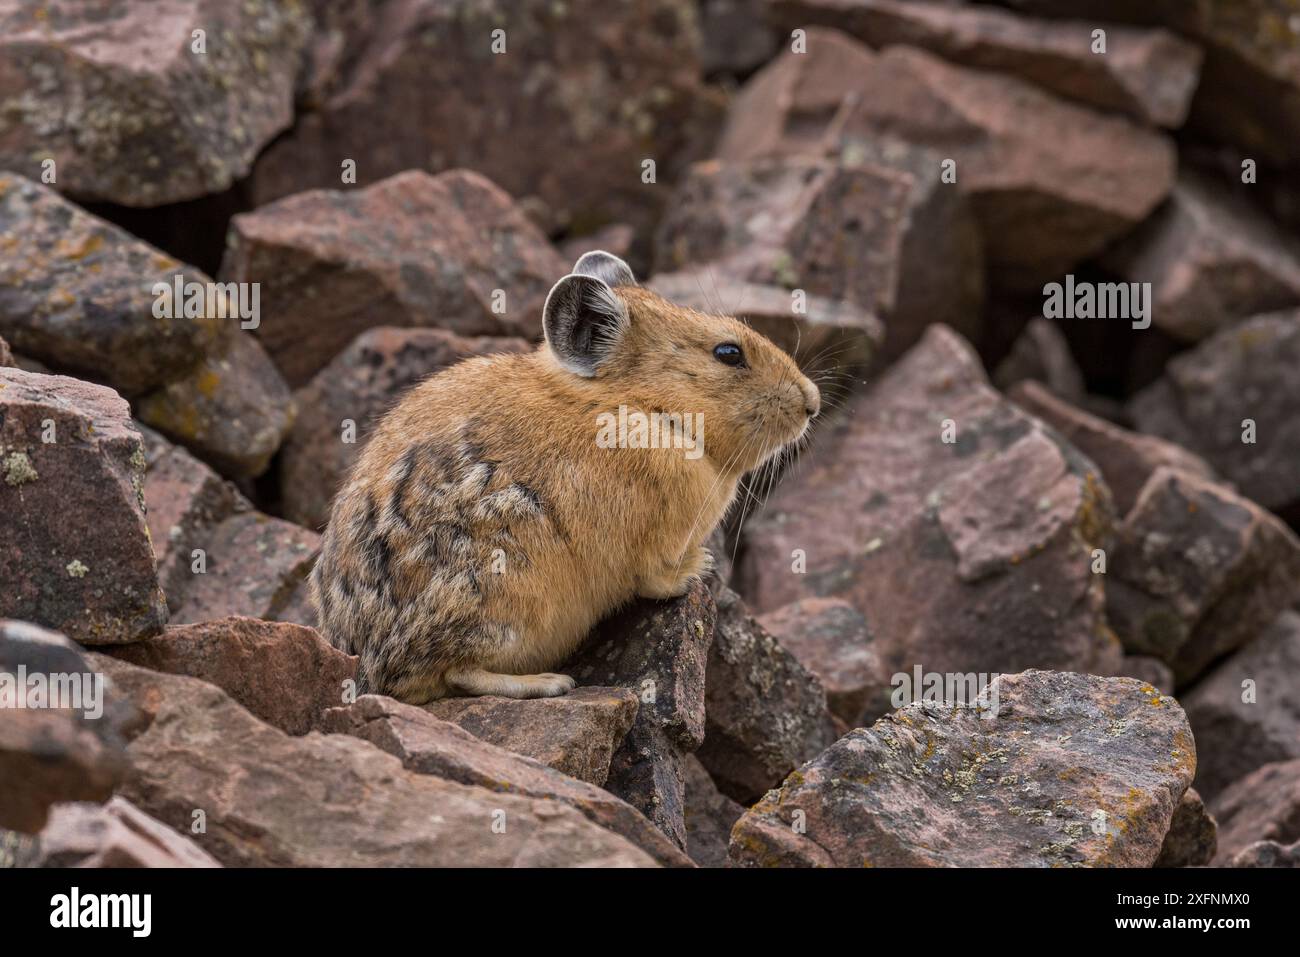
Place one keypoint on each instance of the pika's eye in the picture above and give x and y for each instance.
(729, 354)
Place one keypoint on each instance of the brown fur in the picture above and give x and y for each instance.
(483, 532)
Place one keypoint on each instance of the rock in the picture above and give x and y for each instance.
(1244, 713)
(1192, 835)
(828, 336)
(1267, 854)
(782, 221)
(1041, 354)
(832, 640)
(116, 834)
(1212, 260)
(942, 544)
(359, 385)
(452, 251)
(709, 816)
(269, 799)
(133, 112)
(428, 745)
(1148, 75)
(576, 734)
(232, 410)
(285, 674)
(6, 356)
(50, 754)
(1127, 459)
(659, 651)
(1262, 806)
(765, 714)
(735, 38)
(1146, 668)
(74, 546)
(1197, 571)
(1074, 770)
(1051, 183)
(573, 81)
(1206, 395)
(76, 292)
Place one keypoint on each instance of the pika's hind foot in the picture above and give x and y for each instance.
(476, 681)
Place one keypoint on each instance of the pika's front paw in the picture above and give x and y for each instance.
(546, 685)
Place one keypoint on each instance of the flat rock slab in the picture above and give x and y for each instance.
(452, 251)
(1262, 806)
(74, 546)
(576, 734)
(269, 799)
(1074, 770)
(116, 834)
(429, 745)
(1207, 395)
(285, 674)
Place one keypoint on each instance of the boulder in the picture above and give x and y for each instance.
(74, 547)
(1267, 854)
(1127, 459)
(960, 526)
(1148, 75)
(764, 713)
(1041, 354)
(283, 673)
(1197, 571)
(657, 649)
(1235, 401)
(783, 221)
(1244, 712)
(1051, 183)
(709, 816)
(833, 641)
(1262, 806)
(265, 798)
(6, 355)
(1192, 835)
(1072, 770)
(116, 834)
(1212, 259)
(428, 745)
(358, 386)
(136, 108)
(452, 251)
(576, 734)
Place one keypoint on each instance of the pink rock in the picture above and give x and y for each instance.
(117, 834)
(1262, 806)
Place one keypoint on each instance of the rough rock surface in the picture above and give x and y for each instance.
(1051, 183)
(76, 291)
(659, 650)
(1126, 459)
(1262, 806)
(1244, 713)
(128, 105)
(116, 834)
(1266, 854)
(833, 641)
(764, 713)
(74, 546)
(47, 755)
(359, 385)
(232, 409)
(1074, 770)
(783, 221)
(283, 673)
(573, 81)
(939, 543)
(577, 733)
(1197, 571)
(1192, 835)
(1149, 75)
(1041, 354)
(709, 815)
(1205, 396)
(1212, 259)
(428, 745)
(269, 799)
(452, 251)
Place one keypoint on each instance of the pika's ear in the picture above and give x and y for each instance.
(606, 267)
(583, 321)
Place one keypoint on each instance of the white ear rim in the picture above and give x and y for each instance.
(596, 295)
(606, 267)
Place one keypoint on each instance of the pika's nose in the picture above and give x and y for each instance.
(812, 399)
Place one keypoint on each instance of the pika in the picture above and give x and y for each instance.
(496, 515)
